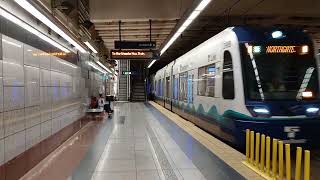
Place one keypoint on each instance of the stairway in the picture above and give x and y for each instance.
(138, 91)
(123, 81)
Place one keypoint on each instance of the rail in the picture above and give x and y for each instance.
(259, 154)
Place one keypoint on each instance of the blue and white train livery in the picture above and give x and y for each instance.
(264, 79)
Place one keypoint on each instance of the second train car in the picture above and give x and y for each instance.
(263, 79)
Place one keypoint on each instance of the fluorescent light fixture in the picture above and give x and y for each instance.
(91, 47)
(261, 110)
(195, 13)
(32, 30)
(277, 34)
(32, 10)
(152, 62)
(103, 66)
(202, 5)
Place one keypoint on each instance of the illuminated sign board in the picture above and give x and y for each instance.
(281, 49)
(133, 54)
(134, 44)
(126, 73)
(50, 54)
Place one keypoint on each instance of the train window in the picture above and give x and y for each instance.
(155, 88)
(228, 80)
(175, 88)
(183, 93)
(159, 88)
(190, 88)
(206, 82)
(168, 87)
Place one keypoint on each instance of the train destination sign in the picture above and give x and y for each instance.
(135, 44)
(281, 49)
(133, 54)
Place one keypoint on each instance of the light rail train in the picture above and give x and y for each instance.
(264, 79)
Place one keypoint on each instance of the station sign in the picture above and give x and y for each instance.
(135, 44)
(134, 54)
(126, 73)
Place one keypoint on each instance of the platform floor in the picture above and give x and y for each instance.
(137, 143)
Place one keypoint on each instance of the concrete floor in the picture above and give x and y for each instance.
(137, 143)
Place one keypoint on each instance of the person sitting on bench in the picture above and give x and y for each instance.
(93, 103)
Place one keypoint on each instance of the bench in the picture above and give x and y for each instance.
(93, 113)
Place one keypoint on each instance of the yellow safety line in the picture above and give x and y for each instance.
(214, 145)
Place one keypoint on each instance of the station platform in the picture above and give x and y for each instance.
(142, 141)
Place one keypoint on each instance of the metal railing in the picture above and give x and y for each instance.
(259, 154)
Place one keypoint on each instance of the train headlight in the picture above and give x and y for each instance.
(312, 110)
(260, 112)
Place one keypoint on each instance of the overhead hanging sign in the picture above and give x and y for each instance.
(134, 54)
(135, 44)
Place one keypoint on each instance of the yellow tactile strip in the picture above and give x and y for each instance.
(226, 153)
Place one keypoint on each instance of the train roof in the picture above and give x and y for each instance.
(262, 34)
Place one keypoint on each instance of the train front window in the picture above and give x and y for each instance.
(280, 72)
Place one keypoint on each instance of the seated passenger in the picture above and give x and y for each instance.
(101, 101)
(93, 103)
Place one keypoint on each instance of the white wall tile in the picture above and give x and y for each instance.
(1, 152)
(46, 130)
(56, 125)
(14, 145)
(55, 65)
(32, 116)
(1, 126)
(12, 50)
(13, 98)
(45, 77)
(46, 103)
(13, 121)
(45, 62)
(55, 79)
(32, 136)
(12, 62)
(1, 94)
(31, 55)
(32, 86)
(1, 69)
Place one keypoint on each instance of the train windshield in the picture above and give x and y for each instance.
(280, 72)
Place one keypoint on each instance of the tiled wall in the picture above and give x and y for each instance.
(39, 96)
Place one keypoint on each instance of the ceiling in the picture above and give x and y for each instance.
(217, 16)
(135, 19)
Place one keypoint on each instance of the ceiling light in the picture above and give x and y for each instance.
(32, 30)
(195, 13)
(152, 62)
(91, 47)
(32, 10)
(202, 5)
